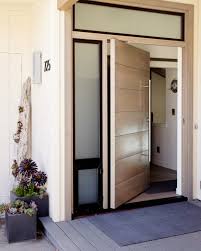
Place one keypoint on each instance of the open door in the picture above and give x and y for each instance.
(130, 122)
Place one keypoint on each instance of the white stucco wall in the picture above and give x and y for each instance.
(46, 99)
(15, 67)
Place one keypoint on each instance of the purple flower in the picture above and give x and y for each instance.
(39, 178)
(28, 167)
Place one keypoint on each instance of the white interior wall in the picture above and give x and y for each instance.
(171, 103)
(165, 135)
(15, 65)
(158, 98)
(163, 52)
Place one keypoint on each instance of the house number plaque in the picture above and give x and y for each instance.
(47, 65)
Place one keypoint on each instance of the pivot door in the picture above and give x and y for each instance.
(130, 123)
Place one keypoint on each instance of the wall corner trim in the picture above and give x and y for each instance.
(65, 4)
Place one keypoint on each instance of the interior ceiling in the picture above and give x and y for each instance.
(159, 51)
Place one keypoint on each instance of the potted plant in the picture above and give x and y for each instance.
(20, 220)
(30, 185)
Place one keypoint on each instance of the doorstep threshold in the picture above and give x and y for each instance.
(139, 204)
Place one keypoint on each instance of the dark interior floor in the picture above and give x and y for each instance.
(159, 173)
(163, 185)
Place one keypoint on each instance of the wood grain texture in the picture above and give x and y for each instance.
(130, 188)
(130, 144)
(130, 77)
(125, 170)
(130, 100)
(131, 80)
(130, 122)
(132, 57)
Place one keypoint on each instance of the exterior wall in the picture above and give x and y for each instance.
(197, 95)
(15, 65)
(46, 99)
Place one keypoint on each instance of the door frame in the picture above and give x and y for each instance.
(66, 169)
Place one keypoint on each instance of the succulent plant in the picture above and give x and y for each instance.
(39, 178)
(27, 167)
(31, 181)
(19, 207)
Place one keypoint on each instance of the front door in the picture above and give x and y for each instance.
(130, 122)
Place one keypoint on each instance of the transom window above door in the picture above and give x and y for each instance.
(127, 20)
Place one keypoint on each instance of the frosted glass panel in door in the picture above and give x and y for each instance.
(124, 20)
(87, 100)
(88, 186)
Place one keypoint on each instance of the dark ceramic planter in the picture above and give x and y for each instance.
(42, 204)
(20, 227)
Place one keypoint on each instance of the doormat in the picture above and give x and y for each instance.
(150, 223)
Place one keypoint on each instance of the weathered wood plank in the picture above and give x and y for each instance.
(102, 236)
(57, 236)
(91, 236)
(76, 237)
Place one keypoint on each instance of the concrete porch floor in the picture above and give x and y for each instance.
(81, 235)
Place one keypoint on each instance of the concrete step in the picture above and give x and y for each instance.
(56, 236)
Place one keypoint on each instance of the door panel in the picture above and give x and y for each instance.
(130, 122)
(125, 170)
(131, 144)
(130, 78)
(130, 56)
(130, 72)
(130, 100)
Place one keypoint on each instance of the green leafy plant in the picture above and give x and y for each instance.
(27, 191)
(19, 207)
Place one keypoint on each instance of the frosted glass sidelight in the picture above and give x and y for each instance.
(87, 186)
(87, 100)
(127, 21)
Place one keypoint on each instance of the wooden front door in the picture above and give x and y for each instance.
(130, 123)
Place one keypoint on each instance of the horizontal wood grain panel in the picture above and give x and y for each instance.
(130, 167)
(131, 78)
(131, 144)
(131, 122)
(127, 190)
(125, 56)
(130, 100)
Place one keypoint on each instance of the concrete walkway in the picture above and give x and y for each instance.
(42, 244)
